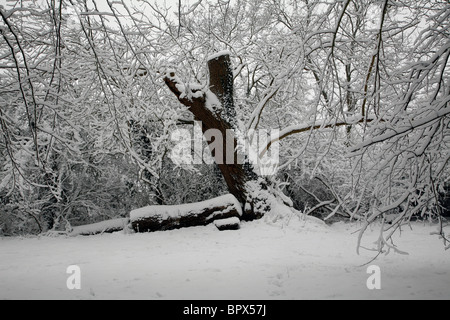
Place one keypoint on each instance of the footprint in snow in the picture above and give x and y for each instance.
(277, 293)
(277, 280)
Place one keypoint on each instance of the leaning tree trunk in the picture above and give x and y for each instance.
(215, 109)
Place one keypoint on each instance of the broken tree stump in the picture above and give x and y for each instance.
(220, 116)
(162, 218)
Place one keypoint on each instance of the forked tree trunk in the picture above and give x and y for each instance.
(234, 166)
(215, 109)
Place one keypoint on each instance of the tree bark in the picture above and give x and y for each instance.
(221, 84)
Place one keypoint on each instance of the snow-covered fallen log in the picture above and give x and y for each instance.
(228, 224)
(108, 226)
(161, 218)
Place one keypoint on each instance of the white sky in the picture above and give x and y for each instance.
(103, 4)
(104, 7)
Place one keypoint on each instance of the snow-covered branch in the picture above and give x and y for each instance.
(408, 125)
(302, 128)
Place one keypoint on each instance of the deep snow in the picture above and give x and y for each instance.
(306, 260)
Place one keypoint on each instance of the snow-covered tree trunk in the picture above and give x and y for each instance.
(162, 218)
(214, 108)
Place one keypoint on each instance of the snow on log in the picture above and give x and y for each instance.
(228, 224)
(108, 226)
(161, 218)
(219, 54)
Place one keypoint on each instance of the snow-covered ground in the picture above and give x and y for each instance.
(305, 260)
